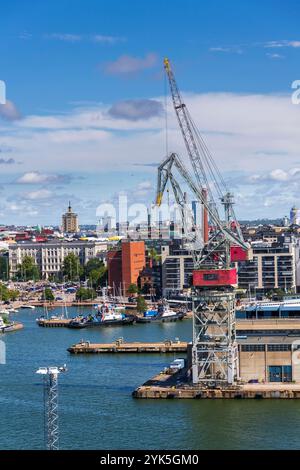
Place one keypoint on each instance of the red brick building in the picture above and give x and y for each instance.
(125, 265)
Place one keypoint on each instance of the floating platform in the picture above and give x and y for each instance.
(54, 322)
(166, 386)
(119, 346)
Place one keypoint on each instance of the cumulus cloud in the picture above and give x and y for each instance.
(278, 175)
(34, 177)
(9, 111)
(135, 110)
(127, 65)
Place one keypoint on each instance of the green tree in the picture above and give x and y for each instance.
(85, 294)
(48, 294)
(92, 265)
(152, 253)
(141, 304)
(28, 270)
(8, 294)
(96, 272)
(132, 289)
(72, 268)
(4, 293)
(5, 319)
(13, 294)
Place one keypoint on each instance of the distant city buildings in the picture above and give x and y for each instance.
(70, 221)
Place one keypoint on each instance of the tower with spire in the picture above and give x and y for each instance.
(70, 221)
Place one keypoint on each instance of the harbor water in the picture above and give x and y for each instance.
(97, 411)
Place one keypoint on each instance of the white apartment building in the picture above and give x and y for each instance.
(49, 256)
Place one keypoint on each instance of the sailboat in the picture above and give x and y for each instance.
(43, 319)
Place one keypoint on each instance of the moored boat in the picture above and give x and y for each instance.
(11, 326)
(163, 314)
(106, 316)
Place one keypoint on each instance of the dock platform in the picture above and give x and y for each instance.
(166, 386)
(119, 346)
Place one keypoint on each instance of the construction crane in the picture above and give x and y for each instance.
(51, 431)
(214, 351)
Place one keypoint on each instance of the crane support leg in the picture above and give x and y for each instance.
(215, 351)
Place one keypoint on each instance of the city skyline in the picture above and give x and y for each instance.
(85, 114)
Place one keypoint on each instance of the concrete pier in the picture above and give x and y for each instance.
(166, 386)
(119, 346)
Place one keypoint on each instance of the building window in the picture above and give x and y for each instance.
(253, 347)
(279, 347)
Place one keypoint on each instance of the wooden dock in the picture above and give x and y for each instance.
(166, 386)
(119, 346)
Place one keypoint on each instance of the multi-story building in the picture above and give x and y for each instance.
(49, 256)
(70, 221)
(125, 265)
(273, 267)
(177, 270)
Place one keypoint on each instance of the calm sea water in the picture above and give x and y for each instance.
(95, 403)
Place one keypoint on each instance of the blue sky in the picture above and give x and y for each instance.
(85, 85)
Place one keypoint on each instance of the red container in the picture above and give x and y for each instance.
(238, 254)
(215, 277)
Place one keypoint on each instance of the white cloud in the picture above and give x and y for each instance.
(35, 177)
(135, 110)
(229, 49)
(254, 135)
(126, 64)
(283, 43)
(104, 39)
(66, 37)
(274, 56)
(38, 194)
(75, 38)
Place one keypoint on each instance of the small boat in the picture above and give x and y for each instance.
(5, 327)
(164, 314)
(106, 316)
(32, 307)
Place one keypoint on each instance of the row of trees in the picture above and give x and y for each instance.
(95, 272)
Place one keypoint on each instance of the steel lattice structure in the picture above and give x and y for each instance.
(51, 431)
(215, 351)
